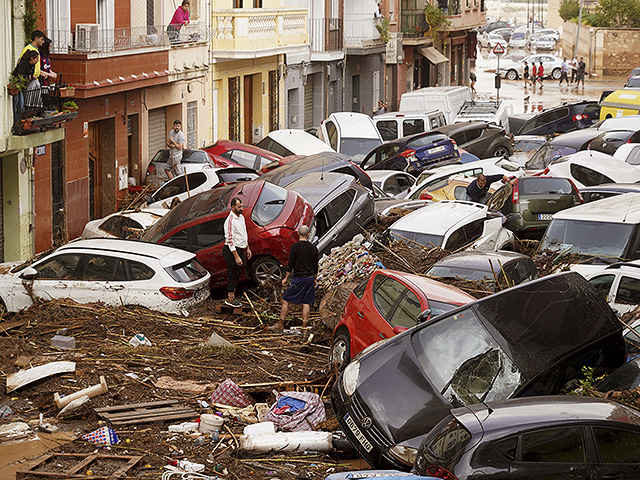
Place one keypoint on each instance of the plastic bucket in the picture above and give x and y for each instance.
(210, 423)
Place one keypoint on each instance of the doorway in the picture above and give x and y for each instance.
(355, 93)
(58, 214)
(95, 185)
(248, 109)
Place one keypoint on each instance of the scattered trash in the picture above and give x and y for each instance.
(217, 341)
(5, 412)
(102, 436)
(62, 331)
(132, 375)
(73, 405)
(287, 441)
(187, 466)
(188, 386)
(63, 343)
(229, 393)
(140, 340)
(200, 440)
(347, 263)
(210, 423)
(262, 428)
(296, 411)
(184, 427)
(90, 392)
(46, 427)
(24, 377)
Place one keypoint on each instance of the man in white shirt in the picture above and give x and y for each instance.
(236, 249)
(175, 142)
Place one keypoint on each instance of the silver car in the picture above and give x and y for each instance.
(545, 43)
(552, 66)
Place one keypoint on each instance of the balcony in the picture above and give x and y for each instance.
(414, 25)
(361, 33)
(39, 109)
(255, 33)
(326, 34)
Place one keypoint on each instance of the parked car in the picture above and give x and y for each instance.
(479, 138)
(393, 183)
(385, 304)
(524, 146)
(551, 32)
(192, 161)
(622, 144)
(342, 207)
(452, 188)
(272, 214)
(602, 232)
(545, 43)
(350, 133)
(453, 225)
(190, 184)
(552, 66)
(112, 271)
(606, 190)
(321, 162)
(505, 32)
(448, 99)
(493, 26)
(619, 283)
(490, 40)
(124, 224)
(507, 345)
(529, 203)
(293, 142)
(497, 270)
(227, 153)
(633, 82)
(394, 125)
(561, 146)
(563, 118)
(413, 154)
(520, 39)
(562, 436)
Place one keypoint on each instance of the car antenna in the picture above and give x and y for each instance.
(628, 208)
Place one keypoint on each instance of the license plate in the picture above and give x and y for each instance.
(359, 435)
(545, 216)
(439, 149)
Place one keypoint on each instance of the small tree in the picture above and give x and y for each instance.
(619, 13)
(569, 9)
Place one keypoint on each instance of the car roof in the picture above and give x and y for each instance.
(627, 122)
(479, 260)
(314, 187)
(460, 126)
(354, 125)
(613, 187)
(524, 413)
(575, 138)
(231, 144)
(623, 208)
(328, 160)
(144, 216)
(433, 290)
(438, 218)
(292, 138)
(392, 115)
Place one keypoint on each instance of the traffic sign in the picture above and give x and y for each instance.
(498, 49)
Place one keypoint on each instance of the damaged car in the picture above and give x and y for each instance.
(529, 340)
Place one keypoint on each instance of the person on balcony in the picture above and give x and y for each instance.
(37, 40)
(180, 18)
(45, 64)
(25, 70)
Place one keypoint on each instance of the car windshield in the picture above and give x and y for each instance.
(464, 363)
(358, 148)
(518, 36)
(425, 239)
(594, 239)
(269, 205)
(634, 82)
(546, 154)
(527, 145)
(424, 140)
(187, 272)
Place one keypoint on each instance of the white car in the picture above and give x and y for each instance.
(185, 186)
(392, 182)
(290, 141)
(351, 133)
(125, 224)
(552, 66)
(115, 272)
(545, 43)
(620, 283)
(454, 225)
(488, 166)
(588, 168)
(550, 32)
(490, 40)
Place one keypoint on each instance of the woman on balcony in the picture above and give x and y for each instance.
(180, 18)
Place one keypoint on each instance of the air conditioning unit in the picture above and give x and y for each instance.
(86, 37)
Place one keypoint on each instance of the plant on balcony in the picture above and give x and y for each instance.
(383, 29)
(70, 106)
(436, 19)
(17, 83)
(68, 91)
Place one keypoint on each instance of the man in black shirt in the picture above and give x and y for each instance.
(303, 263)
(478, 190)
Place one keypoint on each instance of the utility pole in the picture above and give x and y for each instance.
(575, 48)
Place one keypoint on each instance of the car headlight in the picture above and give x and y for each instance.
(350, 377)
(406, 455)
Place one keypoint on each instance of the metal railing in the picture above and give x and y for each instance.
(326, 34)
(361, 31)
(92, 38)
(40, 107)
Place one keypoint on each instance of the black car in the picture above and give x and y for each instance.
(528, 340)
(413, 154)
(535, 438)
(490, 27)
(560, 146)
(482, 139)
(606, 190)
(319, 162)
(562, 119)
(609, 141)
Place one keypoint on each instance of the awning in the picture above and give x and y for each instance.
(433, 55)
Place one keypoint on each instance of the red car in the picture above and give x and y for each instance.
(272, 214)
(388, 303)
(227, 153)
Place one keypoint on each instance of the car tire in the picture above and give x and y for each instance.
(500, 151)
(266, 268)
(340, 355)
(556, 73)
(512, 74)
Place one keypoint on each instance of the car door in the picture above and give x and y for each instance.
(102, 278)
(343, 222)
(55, 276)
(626, 294)
(477, 143)
(552, 453)
(142, 290)
(618, 452)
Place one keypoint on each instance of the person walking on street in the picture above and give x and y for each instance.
(540, 73)
(574, 69)
(179, 19)
(472, 82)
(534, 74)
(478, 190)
(175, 142)
(582, 67)
(564, 75)
(236, 249)
(525, 74)
(303, 267)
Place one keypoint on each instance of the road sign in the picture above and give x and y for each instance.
(498, 49)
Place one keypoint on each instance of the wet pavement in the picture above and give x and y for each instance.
(527, 100)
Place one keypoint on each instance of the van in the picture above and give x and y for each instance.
(489, 111)
(396, 125)
(350, 133)
(448, 100)
(620, 103)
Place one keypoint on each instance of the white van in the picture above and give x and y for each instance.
(489, 111)
(350, 133)
(396, 125)
(448, 100)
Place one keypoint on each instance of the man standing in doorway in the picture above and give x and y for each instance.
(236, 249)
(303, 263)
(175, 142)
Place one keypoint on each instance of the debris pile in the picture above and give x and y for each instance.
(348, 263)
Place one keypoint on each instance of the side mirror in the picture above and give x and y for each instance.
(424, 316)
(29, 273)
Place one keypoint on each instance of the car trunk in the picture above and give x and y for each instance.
(547, 205)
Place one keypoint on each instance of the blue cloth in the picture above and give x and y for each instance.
(301, 290)
(293, 403)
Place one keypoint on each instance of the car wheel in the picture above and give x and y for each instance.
(556, 74)
(512, 74)
(500, 151)
(266, 268)
(341, 352)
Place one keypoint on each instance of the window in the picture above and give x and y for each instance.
(101, 268)
(634, 157)
(628, 291)
(617, 446)
(388, 129)
(340, 206)
(551, 116)
(59, 267)
(540, 185)
(411, 127)
(179, 185)
(187, 272)
(507, 448)
(587, 176)
(211, 232)
(465, 235)
(557, 445)
(407, 311)
(473, 133)
(385, 294)
(121, 226)
(269, 205)
(139, 271)
(498, 201)
(359, 290)
(405, 182)
(391, 186)
(246, 159)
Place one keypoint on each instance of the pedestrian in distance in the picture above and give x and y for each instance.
(236, 250)
(179, 19)
(534, 74)
(478, 190)
(564, 74)
(382, 108)
(582, 68)
(303, 268)
(175, 142)
(540, 73)
(525, 74)
(574, 69)
(472, 82)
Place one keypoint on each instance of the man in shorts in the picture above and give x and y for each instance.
(175, 142)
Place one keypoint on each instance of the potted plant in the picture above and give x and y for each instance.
(17, 83)
(68, 91)
(70, 106)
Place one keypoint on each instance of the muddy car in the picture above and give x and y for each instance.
(529, 340)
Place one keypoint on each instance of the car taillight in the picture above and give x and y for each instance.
(408, 153)
(515, 193)
(577, 118)
(151, 169)
(455, 145)
(440, 472)
(176, 293)
(425, 196)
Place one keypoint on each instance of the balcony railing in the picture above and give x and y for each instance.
(326, 34)
(42, 108)
(361, 32)
(413, 23)
(91, 38)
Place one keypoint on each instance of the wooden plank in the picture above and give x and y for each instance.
(148, 413)
(85, 460)
(165, 418)
(136, 405)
